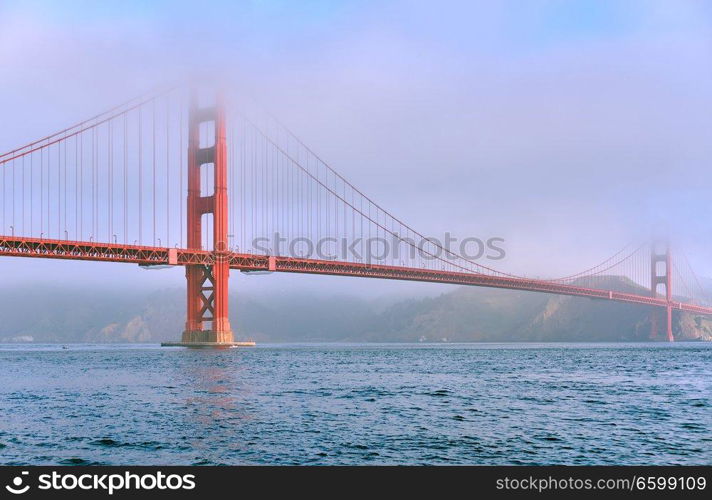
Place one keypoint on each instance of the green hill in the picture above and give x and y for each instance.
(466, 314)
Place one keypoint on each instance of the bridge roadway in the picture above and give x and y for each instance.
(12, 246)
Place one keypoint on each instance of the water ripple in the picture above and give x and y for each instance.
(349, 404)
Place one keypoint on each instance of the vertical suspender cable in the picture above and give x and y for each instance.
(140, 176)
(125, 165)
(153, 169)
(168, 175)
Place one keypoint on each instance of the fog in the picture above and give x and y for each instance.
(567, 128)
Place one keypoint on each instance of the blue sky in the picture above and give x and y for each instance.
(567, 127)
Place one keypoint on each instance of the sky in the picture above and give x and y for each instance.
(568, 128)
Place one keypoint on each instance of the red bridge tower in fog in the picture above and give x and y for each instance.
(208, 283)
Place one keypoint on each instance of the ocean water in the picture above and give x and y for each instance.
(357, 404)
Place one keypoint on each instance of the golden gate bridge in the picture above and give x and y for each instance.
(174, 179)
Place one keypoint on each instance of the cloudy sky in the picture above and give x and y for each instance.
(569, 128)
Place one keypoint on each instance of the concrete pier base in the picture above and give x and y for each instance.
(208, 339)
(208, 345)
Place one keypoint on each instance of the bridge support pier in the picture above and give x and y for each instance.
(668, 309)
(661, 277)
(207, 323)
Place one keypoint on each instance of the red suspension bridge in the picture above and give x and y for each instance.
(113, 188)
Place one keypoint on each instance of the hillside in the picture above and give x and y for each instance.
(463, 315)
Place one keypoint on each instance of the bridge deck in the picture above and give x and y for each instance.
(12, 246)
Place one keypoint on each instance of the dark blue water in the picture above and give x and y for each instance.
(355, 404)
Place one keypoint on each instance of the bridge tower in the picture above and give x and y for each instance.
(207, 321)
(660, 252)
